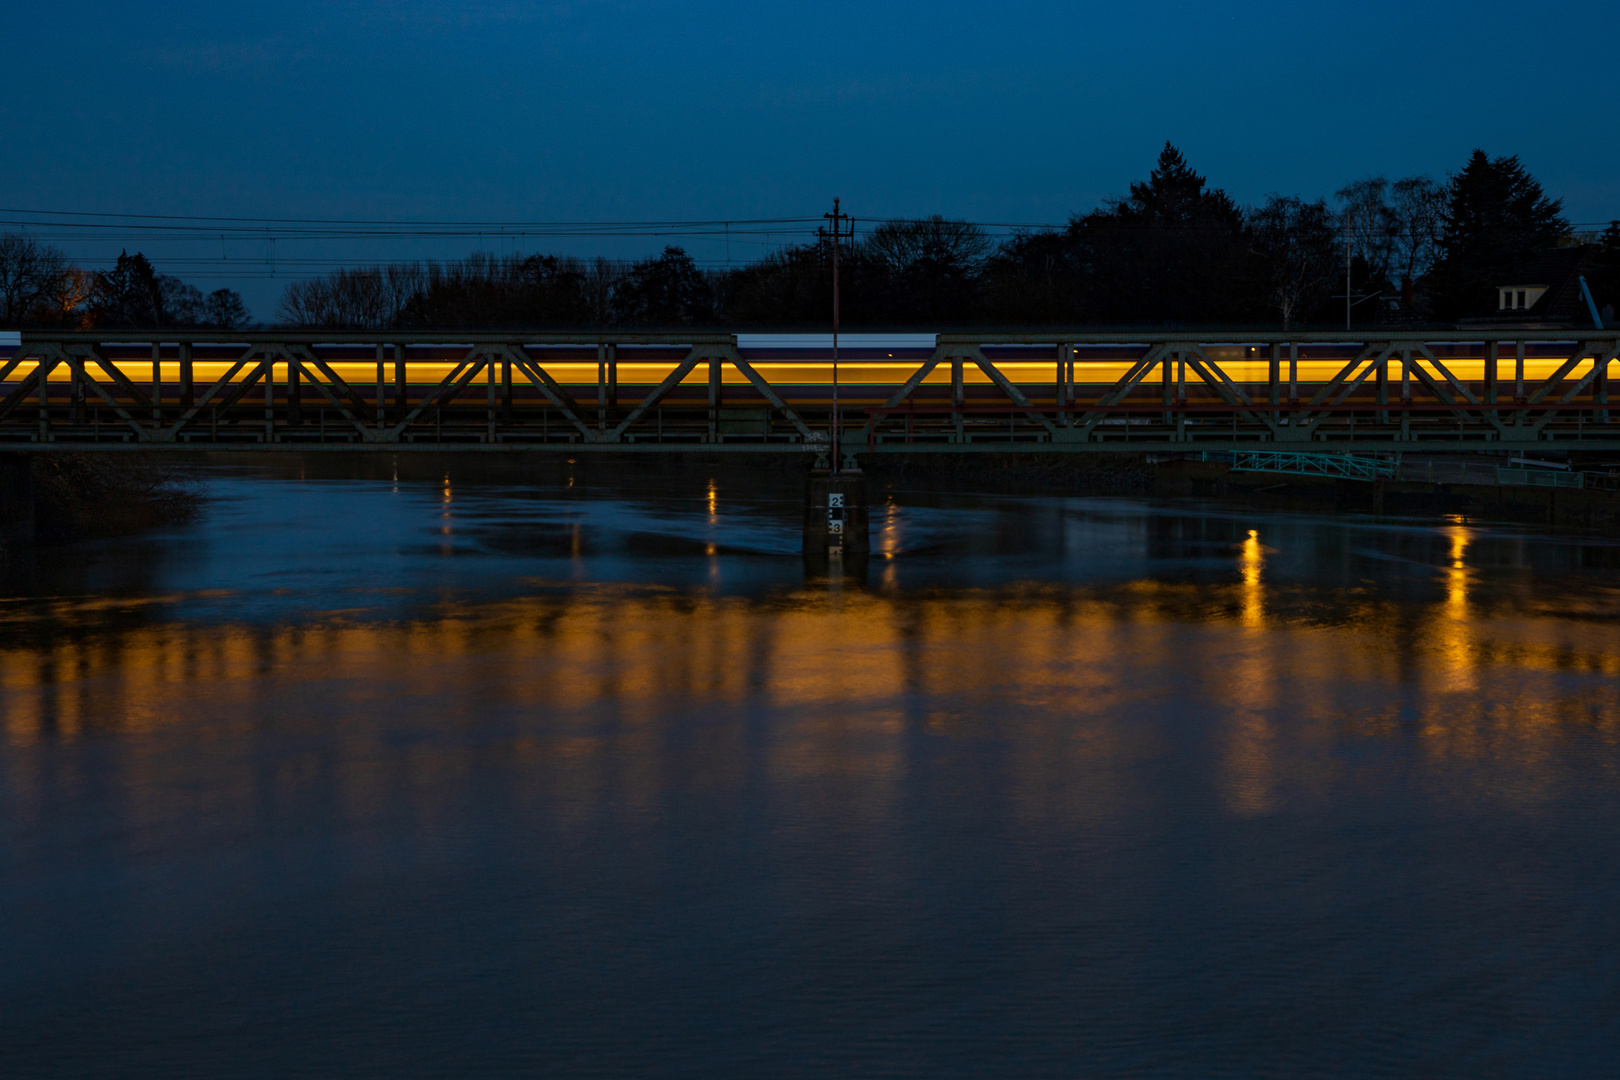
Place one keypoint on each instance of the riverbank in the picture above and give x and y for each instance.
(60, 498)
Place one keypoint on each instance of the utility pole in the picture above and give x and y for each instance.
(836, 221)
(835, 518)
(1347, 277)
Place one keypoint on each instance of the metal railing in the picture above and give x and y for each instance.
(1540, 478)
(1343, 466)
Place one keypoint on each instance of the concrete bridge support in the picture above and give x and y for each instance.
(835, 517)
(16, 500)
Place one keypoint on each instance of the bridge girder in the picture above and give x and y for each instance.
(1093, 392)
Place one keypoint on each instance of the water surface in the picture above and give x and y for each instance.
(429, 778)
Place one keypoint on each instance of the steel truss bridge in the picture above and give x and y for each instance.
(1135, 391)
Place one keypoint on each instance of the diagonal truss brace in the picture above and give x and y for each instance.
(76, 361)
(1227, 390)
(1440, 392)
(220, 386)
(304, 357)
(908, 387)
(554, 391)
(30, 381)
(1602, 357)
(1118, 392)
(451, 385)
(1584, 350)
(1016, 395)
(1336, 391)
(671, 381)
(766, 390)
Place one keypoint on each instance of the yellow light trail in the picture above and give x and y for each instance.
(633, 373)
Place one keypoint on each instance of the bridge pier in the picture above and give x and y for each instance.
(835, 516)
(16, 500)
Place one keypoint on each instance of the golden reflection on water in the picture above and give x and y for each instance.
(1248, 695)
(446, 518)
(1254, 598)
(710, 549)
(1456, 639)
(1077, 678)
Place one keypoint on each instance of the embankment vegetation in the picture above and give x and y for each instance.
(84, 496)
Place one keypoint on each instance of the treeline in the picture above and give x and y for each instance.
(1175, 250)
(40, 288)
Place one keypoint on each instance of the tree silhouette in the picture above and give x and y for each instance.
(1170, 252)
(224, 310)
(31, 274)
(1497, 220)
(1299, 242)
(128, 295)
(667, 291)
(1036, 278)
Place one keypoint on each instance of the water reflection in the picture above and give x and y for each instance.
(1257, 652)
(1114, 770)
(1454, 631)
(1253, 561)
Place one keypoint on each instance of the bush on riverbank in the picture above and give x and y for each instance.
(80, 496)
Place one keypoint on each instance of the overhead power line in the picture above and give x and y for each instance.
(255, 247)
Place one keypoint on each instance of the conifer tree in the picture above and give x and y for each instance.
(1173, 251)
(1497, 221)
(667, 291)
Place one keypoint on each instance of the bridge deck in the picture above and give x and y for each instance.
(946, 393)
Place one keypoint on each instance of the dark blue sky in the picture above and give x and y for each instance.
(1007, 112)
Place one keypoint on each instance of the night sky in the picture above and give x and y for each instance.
(625, 111)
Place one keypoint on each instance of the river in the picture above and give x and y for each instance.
(460, 777)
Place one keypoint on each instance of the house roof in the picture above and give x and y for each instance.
(1558, 270)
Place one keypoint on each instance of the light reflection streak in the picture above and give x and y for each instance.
(1248, 691)
(1253, 562)
(446, 517)
(854, 655)
(1454, 628)
(713, 522)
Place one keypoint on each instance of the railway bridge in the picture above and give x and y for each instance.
(1082, 392)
